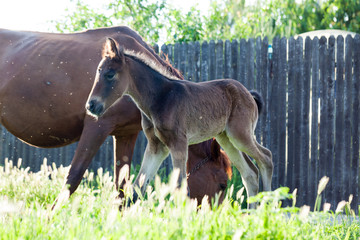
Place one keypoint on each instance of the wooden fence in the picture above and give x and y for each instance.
(311, 118)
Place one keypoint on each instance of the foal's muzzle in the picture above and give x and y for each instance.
(95, 107)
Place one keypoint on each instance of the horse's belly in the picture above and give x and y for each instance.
(39, 125)
(41, 133)
(205, 130)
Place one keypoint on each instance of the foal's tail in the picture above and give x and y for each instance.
(258, 99)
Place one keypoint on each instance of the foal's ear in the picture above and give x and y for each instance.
(112, 49)
(215, 149)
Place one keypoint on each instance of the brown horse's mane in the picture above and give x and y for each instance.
(227, 164)
(171, 69)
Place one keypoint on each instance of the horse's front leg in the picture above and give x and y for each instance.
(93, 135)
(123, 148)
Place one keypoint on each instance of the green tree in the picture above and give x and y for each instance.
(341, 14)
(82, 18)
(230, 19)
(141, 15)
(184, 27)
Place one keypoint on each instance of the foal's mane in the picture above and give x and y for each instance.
(167, 71)
(162, 65)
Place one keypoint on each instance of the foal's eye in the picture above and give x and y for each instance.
(110, 75)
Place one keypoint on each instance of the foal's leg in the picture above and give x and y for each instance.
(248, 171)
(177, 143)
(155, 154)
(179, 156)
(244, 140)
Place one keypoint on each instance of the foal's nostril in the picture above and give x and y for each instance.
(95, 107)
(91, 105)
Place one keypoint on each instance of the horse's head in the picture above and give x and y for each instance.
(208, 177)
(111, 81)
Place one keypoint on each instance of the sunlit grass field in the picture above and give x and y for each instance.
(166, 212)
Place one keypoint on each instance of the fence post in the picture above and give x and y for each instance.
(205, 61)
(354, 172)
(227, 60)
(305, 157)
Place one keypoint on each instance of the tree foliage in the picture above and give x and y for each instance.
(157, 21)
(141, 15)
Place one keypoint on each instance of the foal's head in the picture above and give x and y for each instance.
(111, 81)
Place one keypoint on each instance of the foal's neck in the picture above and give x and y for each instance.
(147, 86)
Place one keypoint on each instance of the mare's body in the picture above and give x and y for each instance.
(178, 113)
(44, 84)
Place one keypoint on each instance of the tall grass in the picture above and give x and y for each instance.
(166, 213)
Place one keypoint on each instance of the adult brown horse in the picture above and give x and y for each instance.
(178, 113)
(44, 85)
(198, 176)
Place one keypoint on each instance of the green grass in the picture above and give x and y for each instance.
(166, 213)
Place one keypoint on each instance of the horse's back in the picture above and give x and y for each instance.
(46, 78)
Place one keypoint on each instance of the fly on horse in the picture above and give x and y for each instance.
(44, 85)
(178, 113)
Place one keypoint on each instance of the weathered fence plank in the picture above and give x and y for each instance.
(197, 59)
(250, 64)
(258, 130)
(242, 63)
(315, 94)
(219, 56)
(298, 69)
(190, 63)
(354, 172)
(331, 113)
(234, 60)
(282, 112)
(291, 115)
(274, 74)
(182, 58)
(212, 60)
(227, 59)
(305, 112)
(340, 119)
(323, 151)
(348, 114)
(205, 55)
(176, 60)
(264, 80)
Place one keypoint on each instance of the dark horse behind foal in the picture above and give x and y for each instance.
(46, 79)
(178, 113)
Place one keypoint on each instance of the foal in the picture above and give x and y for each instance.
(178, 113)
